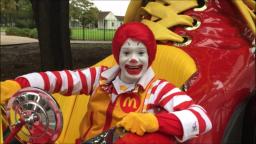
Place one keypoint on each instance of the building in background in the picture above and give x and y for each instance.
(107, 20)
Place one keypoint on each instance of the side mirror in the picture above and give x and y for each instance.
(34, 117)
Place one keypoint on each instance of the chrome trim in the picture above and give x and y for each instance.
(40, 111)
(196, 25)
(202, 5)
(187, 40)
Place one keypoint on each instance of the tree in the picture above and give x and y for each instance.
(83, 11)
(91, 17)
(8, 8)
(17, 13)
(24, 14)
(52, 20)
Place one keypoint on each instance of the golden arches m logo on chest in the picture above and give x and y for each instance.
(129, 102)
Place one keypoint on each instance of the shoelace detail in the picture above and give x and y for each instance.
(248, 10)
(166, 14)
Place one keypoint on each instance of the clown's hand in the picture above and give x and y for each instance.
(139, 123)
(7, 89)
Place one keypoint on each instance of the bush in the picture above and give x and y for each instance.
(25, 32)
(33, 33)
(25, 23)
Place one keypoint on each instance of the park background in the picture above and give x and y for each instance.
(90, 31)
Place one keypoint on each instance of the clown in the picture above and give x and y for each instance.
(126, 95)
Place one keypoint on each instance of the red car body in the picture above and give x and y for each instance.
(222, 48)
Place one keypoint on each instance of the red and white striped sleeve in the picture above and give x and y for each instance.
(193, 118)
(67, 82)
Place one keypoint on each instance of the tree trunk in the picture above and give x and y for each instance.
(52, 20)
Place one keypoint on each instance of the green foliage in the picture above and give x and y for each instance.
(25, 32)
(84, 12)
(33, 33)
(17, 13)
(2, 29)
(25, 23)
(8, 10)
(24, 17)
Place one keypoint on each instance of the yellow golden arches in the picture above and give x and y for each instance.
(128, 102)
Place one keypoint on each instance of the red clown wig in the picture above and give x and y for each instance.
(137, 31)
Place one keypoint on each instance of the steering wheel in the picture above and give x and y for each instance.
(34, 117)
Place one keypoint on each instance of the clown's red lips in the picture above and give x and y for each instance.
(133, 70)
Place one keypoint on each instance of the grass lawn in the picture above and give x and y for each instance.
(92, 34)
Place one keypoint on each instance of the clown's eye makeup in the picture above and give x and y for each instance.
(126, 53)
(141, 53)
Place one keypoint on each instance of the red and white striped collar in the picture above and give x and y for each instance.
(110, 74)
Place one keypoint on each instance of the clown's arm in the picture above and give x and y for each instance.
(66, 82)
(169, 111)
(180, 117)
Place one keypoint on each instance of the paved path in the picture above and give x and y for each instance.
(11, 40)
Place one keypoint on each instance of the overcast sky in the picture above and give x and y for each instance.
(118, 7)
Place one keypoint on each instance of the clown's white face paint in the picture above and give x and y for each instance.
(133, 60)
